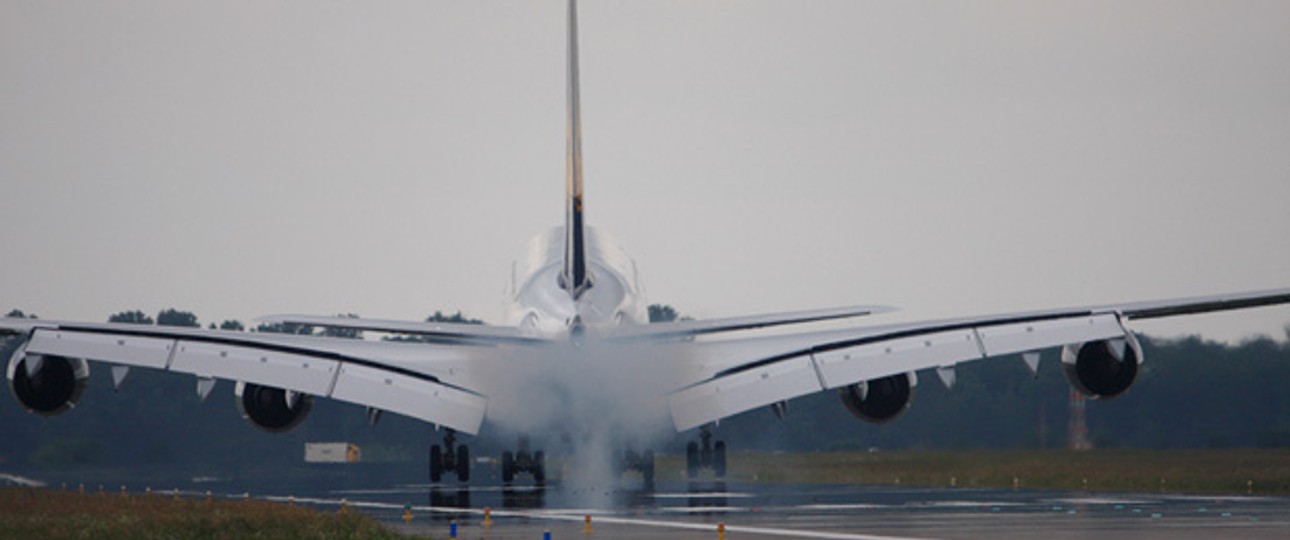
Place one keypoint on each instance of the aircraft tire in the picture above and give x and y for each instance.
(436, 464)
(647, 468)
(508, 467)
(719, 459)
(463, 463)
(692, 460)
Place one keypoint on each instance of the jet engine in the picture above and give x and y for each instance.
(272, 409)
(880, 400)
(47, 385)
(1102, 369)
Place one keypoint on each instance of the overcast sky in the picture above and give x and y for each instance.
(390, 159)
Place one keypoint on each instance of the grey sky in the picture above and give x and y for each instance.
(390, 159)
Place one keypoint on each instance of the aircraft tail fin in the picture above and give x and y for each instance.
(574, 277)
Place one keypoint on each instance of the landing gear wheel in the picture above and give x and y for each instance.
(463, 463)
(647, 469)
(705, 454)
(719, 459)
(448, 459)
(539, 467)
(692, 460)
(436, 464)
(508, 467)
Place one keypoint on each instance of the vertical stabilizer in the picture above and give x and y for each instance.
(574, 278)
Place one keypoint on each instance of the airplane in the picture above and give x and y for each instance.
(575, 354)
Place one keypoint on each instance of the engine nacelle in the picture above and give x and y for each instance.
(47, 385)
(1102, 369)
(880, 400)
(272, 409)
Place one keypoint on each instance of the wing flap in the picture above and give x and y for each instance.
(851, 365)
(127, 350)
(292, 371)
(424, 400)
(739, 392)
(998, 340)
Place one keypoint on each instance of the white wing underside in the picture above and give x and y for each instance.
(424, 381)
(736, 375)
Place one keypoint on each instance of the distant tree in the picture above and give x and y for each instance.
(232, 325)
(662, 313)
(174, 317)
(346, 333)
(285, 328)
(18, 314)
(454, 318)
(130, 317)
(439, 316)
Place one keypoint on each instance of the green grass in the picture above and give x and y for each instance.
(1183, 471)
(41, 513)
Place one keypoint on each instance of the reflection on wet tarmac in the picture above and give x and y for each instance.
(524, 498)
(450, 497)
(703, 497)
(709, 495)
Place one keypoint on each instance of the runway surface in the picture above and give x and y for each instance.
(796, 511)
(683, 510)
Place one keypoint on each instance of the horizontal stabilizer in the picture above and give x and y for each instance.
(684, 329)
(433, 330)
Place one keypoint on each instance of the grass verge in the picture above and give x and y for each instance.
(1259, 472)
(42, 513)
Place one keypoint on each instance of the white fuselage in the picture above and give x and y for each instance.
(537, 303)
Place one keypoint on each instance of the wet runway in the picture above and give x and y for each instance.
(805, 511)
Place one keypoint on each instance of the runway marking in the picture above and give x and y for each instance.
(965, 504)
(1102, 501)
(704, 495)
(855, 506)
(560, 516)
(20, 481)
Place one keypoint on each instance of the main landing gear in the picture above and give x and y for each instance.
(446, 459)
(524, 462)
(642, 462)
(705, 455)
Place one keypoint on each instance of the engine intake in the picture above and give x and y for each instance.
(47, 385)
(1102, 369)
(272, 409)
(880, 400)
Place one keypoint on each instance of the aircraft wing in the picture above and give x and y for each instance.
(735, 375)
(429, 382)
